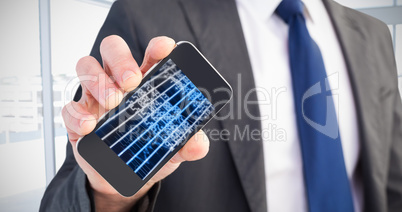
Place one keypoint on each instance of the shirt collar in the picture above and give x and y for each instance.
(264, 9)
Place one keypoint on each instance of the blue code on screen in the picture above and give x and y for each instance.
(155, 120)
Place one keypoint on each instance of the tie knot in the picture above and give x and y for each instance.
(289, 8)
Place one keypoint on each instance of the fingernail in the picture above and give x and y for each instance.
(127, 75)
(172, 42)
(113, 98)
(109, 92)
(131, 80)
(82, 122)
(84, 119)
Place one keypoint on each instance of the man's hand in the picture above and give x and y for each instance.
(102, 90)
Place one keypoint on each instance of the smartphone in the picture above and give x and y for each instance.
(175, 99)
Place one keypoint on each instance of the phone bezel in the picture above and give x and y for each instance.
(203, 75)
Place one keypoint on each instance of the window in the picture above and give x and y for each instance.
(23, 177)
(74, 27)
(24, 172)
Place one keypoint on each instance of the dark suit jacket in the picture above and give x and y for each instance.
(231, 177)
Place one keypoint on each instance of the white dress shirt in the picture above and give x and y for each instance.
(266, 37)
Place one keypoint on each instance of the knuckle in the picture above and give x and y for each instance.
(89, 82)
(92, 83)
(72, 112)
(66, 114)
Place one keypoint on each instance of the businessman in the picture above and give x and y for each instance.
(315, 123)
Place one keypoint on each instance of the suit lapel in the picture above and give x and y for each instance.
(217, 29)
(367, 94)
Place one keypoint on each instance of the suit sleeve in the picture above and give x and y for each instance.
(70, 190)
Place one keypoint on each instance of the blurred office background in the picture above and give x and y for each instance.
(32, 145)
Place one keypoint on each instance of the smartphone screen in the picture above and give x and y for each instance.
(160, 116)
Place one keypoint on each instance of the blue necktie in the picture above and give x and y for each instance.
(325, 177)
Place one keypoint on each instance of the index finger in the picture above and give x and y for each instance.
(158, 48)
(119, 62)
